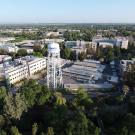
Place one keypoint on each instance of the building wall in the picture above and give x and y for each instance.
(104, 44)
(17, 74)
(117, 41)
(124, 44)
(9, 48)
(27, 69)
(36, 66)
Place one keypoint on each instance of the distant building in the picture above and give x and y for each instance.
(5, 58)
(55, 40)
(106, 44)
(6, 39)
(121, 42)
(29, 45)
(74, 30)
(53, 34)
(19, 30)
(80, 44)
(23, 68)
(61, 31)
(29, 42)
(76, 46)
(9, 48)
(29, 51)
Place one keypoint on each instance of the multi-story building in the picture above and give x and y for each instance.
(76, 46)
(80, 44)
(121, 42)
(23, 68)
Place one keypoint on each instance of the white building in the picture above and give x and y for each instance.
(105, 44)
(23, 68)
(80, 44)
(123, 42)
(5, 58)
(117, 41)
(6, 39)
(30, 42)
(73, 30)
(55, 40)
(9, 48)
(53, 34)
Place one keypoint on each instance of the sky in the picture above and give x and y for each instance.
(67, 11)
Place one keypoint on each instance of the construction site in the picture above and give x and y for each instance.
(87, 72)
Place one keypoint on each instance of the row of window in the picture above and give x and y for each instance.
(37, 68)
(37, 64)
(19, 76)
(19, 72)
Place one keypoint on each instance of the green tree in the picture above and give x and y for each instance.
(14, 106)
(34, 129)
(44, 96)
(73, 55)
(29, 90)
(38, 54)
(128, 122)
(15, 131)
(60, 100)
(2, 132)
(50, 131)
(123, 131)
(37, 48)
(3, 92)
(117, 51)
(71, 36)
(2, 121)
(78, 125)
(67, 53)
(44, 50)
(82, 99)
(125, 89)
(100, 53)
(22, 52)
(109, 54)
(82, 56)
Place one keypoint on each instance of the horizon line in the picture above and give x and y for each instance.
(27, 23)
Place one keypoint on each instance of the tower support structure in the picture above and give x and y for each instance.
(54, 73)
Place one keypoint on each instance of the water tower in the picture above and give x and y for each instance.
(54, 74)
